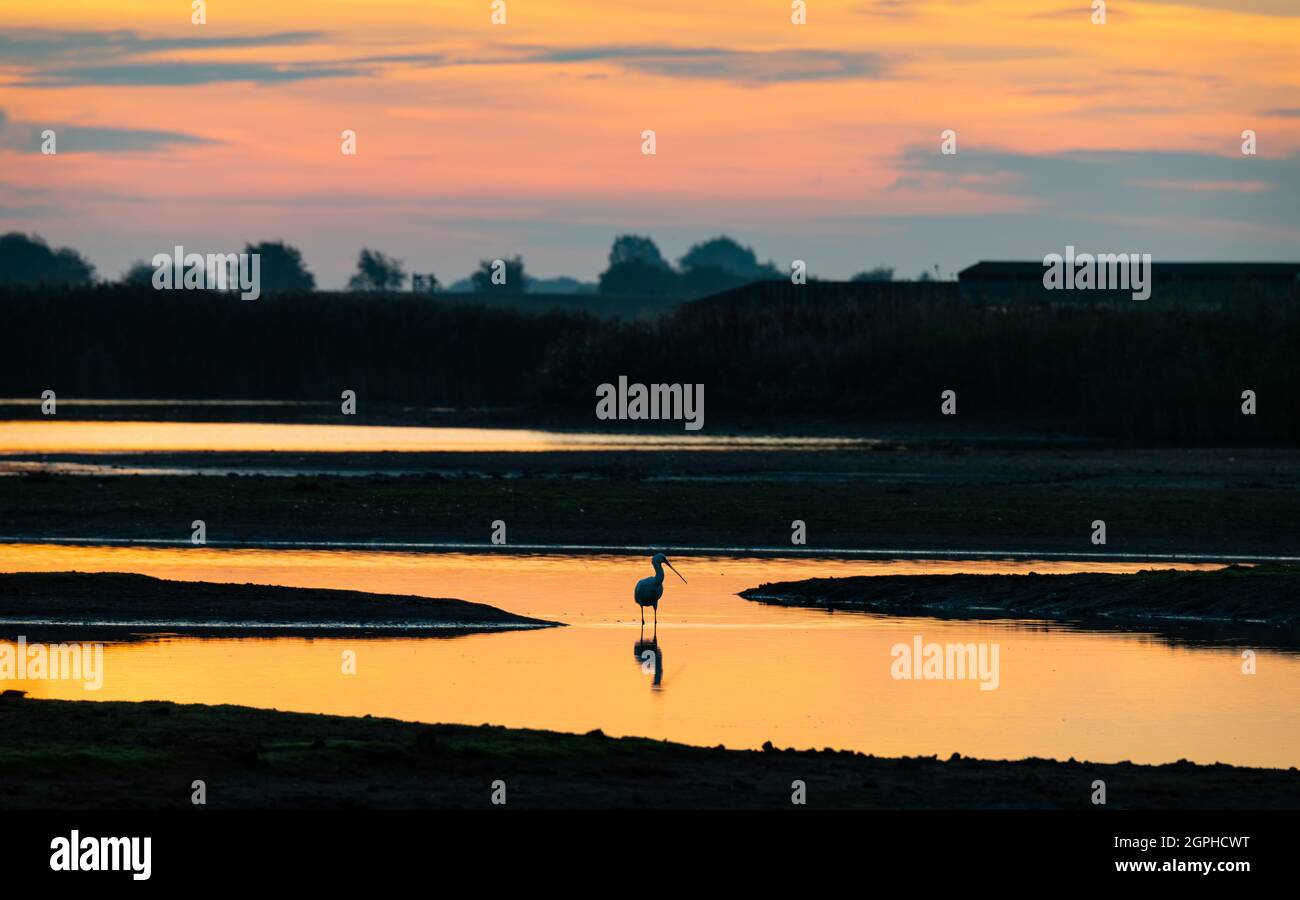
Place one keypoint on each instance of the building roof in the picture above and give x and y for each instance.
(1181, 270)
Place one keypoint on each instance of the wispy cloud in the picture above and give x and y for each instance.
(186, 73)
(48, 58)
(1135, 183)
(26, 137)
(1263, 7)
(34, 46)
(754, 66)
(63, 58)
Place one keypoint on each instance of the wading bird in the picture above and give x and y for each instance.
(649, 590)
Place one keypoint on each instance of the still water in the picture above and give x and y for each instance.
(33, 436)
(733, 672)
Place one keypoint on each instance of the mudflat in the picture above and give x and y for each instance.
(977, 501)
(116, 755)
(115, 600)
(1233, 602)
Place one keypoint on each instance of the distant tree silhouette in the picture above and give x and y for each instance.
(702, 281)
(632, 248)
(377, 272)
(425, 283)
(282, 268)
(637, 268)
(515, 281)
(140, 274)
(725, 254)
(879, 273)
(640, 279)
(29, 261)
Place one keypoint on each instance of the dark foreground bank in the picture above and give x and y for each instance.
(1256, 598)
(113, 755)
(114, 600)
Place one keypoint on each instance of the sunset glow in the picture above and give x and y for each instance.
(737, 672)
(817, 141)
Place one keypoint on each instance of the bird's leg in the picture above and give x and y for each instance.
(643, 617)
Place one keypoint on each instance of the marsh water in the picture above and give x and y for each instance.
(728, 671)
(51, 436)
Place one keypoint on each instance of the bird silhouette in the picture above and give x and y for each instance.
(649, 590)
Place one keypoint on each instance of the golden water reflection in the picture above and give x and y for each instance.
(732, 672)
(22, 436)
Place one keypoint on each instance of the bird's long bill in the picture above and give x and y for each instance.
(675, 572)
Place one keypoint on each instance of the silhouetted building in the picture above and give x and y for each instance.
(1012, 282)
(784, 291)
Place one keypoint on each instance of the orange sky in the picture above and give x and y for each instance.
(818, 142)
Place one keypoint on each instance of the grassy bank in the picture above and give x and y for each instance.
(86, 755)
(1158, 371)
(113, 598)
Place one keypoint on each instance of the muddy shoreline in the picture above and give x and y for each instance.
(116, 755)
(1233, 605)
(881, 457)
(115, 604)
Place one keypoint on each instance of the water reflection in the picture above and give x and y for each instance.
(25, 436)
(650, 656)
(744, 673)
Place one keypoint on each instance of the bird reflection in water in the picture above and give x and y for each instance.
(650, 657)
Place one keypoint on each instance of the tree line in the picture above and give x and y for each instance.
(636, 268)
